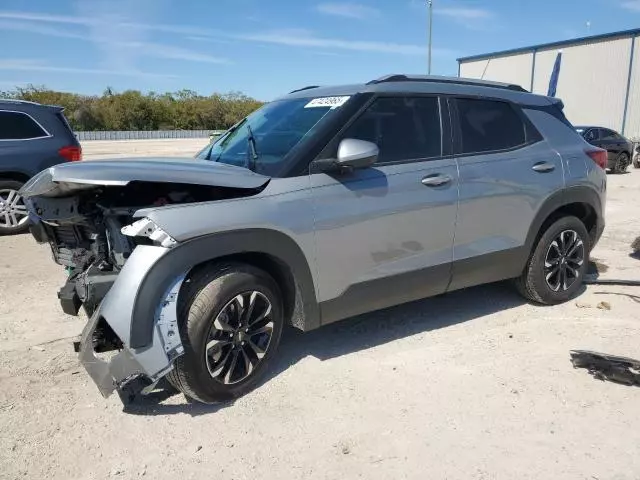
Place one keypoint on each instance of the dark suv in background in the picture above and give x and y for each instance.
(619, 148)
(32, 137)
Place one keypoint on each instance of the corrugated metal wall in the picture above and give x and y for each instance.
(513, 69)
(592, 83)
(146, 134)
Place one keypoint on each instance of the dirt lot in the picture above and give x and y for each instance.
(475, 384)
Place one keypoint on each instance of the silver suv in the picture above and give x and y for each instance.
(324, 204)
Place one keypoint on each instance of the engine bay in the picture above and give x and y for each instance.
(84, 231)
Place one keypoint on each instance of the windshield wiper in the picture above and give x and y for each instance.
(252, 153)
(225, 137)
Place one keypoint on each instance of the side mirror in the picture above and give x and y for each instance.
(353, 153)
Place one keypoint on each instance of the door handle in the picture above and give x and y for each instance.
(544, 167)
(436, 180)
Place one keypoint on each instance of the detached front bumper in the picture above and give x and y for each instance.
(130, 370)
(120, 372)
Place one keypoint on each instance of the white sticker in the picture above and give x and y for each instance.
(332, 102)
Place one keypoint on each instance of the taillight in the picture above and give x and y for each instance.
(72, 153)
(599, 156)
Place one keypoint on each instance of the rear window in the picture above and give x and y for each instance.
(64, 121)
(489, 125)
(19, 126)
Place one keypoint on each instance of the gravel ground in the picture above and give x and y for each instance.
(474, 384)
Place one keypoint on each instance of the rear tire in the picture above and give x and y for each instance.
(565, 244)
(636, 161)
(14, 218)
(622, 162)
(230, 320)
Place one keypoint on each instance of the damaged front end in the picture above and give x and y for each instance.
(91, 224)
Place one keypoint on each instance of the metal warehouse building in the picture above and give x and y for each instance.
(599, 80)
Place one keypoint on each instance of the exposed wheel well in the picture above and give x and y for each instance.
(280, 272)
(18, 177)
(585, 212)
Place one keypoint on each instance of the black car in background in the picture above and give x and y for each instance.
(620, 149)
(33, 137)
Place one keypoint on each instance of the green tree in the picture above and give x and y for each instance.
(134, 110)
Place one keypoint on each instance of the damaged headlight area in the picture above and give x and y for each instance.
(148, 229)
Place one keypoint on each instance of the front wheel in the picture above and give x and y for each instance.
(557, 266)
(231, 320)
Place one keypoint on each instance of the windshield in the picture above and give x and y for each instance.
(262, 140)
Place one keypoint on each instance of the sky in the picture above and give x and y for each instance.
(267, 48)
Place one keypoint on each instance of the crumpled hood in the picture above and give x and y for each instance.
(69, 177)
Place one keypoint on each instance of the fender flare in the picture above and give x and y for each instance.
(576, 194)
(185, 256)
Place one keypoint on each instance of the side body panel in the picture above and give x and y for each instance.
(382, 237)
(581, 173)
(500, 195)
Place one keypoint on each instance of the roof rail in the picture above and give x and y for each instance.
(304, 88)
(438, 79)
(16, 101)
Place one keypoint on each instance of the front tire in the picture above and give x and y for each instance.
(231, 321)
(556, 268)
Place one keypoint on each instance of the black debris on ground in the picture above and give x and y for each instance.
(612, 368)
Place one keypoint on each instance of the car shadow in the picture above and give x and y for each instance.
(356, 334)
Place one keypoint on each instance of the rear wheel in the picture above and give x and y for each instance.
(14, 217)
(557, 266)
(622, 162)
(230, 323)
(636, 161)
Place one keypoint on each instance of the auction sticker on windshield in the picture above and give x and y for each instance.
(333, 102)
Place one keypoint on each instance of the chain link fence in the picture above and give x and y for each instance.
(146, 135)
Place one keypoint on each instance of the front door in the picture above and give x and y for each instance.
(384, 234)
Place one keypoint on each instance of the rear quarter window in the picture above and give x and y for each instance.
(489, 125)
(19, 126)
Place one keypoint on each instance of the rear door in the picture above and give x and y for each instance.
(384, 234)
(506, 171)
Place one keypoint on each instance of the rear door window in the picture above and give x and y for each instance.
(19, 126)
(404, 128)
(489, 125)
(609, 134)
(592, 135)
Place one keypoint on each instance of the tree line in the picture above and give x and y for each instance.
(134, 110)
